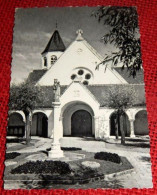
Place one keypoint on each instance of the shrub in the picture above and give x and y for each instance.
(15, 140)
(70, 148)
(108, 157)
(44, 167)
(11, 155)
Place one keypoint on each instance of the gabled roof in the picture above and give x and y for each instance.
(55, 43)
(99, 92)
(48, 92)
(138, 79)
(36, 75)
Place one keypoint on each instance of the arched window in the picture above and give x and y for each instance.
(45, 61)
(53, 59)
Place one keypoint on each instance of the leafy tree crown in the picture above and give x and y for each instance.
(25, 96)
(124, 34)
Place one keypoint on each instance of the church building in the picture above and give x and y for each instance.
(75, 103)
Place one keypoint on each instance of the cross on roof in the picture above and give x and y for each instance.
(79, 33)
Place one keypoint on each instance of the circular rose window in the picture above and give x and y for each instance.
(83, 75)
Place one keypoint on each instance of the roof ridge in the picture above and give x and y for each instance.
(90, 93)
(91, 48)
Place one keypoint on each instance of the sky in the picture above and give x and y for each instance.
(33, 27)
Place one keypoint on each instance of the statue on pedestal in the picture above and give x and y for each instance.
(56, 91)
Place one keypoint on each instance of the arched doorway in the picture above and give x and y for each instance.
(69, 118)
(81, 123)
(16, 125)
(141, 123)
(124, 120)
(39, 125)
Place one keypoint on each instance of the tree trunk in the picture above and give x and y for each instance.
(122, 129)
(116, 126)
(28, 127)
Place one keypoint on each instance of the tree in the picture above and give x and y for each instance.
(25, 97)
(124, 34)
(120, 98)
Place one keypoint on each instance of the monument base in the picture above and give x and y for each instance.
(132, 136)
(55, 151)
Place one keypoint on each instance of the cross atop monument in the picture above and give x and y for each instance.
(79, 33)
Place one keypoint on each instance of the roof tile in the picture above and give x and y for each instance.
(36, 75)
(99, 91)
(138, 79)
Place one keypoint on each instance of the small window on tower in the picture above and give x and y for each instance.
(53, 59)
(45, 61)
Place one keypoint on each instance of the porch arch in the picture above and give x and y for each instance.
(68, 111)
(16, 124)
(126, 124)
(39, 124)
(141, 123)
(19, 112)
(40, 111)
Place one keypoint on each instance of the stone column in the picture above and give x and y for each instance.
(107, 128)
(132, 134)
(56, 151)
(96, 121)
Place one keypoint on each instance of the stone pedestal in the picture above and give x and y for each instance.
(56, 151)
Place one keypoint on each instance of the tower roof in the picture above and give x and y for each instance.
(55, 43)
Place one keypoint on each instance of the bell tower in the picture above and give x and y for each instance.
(53, 50)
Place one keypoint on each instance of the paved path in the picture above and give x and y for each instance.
(140, 178)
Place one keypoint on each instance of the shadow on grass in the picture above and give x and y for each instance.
(47, 184)
(15, 140)
(67, 149)
(145, 159)
(137, 140)
(89, 139)
(138, 145)
(11, 155)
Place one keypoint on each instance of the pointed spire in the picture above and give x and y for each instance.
(79, 33)
(55, 43)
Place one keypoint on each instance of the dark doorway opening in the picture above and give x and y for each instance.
(126, 125)
(81, 124)
(39, 125)
(16, 126)
(141, 123)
